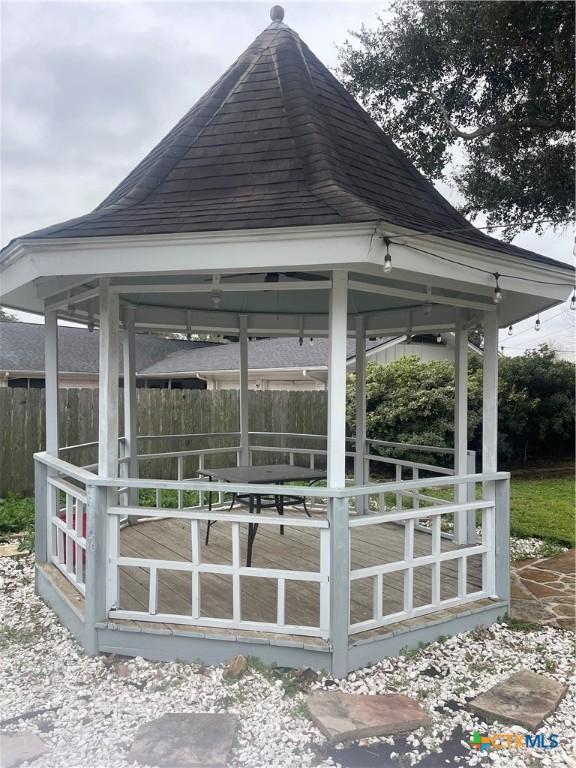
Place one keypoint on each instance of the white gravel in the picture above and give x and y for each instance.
(102, 701)
(532, 548)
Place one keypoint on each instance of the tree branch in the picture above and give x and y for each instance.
(496, 127)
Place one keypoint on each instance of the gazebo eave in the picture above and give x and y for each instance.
(57, 268)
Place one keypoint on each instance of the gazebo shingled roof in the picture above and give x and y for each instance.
(276, 142)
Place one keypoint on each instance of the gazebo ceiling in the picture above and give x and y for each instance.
(276, 142)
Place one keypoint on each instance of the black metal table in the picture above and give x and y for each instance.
(265, 474)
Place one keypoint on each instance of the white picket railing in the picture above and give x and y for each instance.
(67, 495)
(410, 562)
(195, 567)
(66, 535)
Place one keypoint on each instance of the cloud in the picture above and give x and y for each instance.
(84, 98)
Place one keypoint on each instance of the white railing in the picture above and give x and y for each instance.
(201, 613)
(68, 490)
(66, 519)
(439, 557)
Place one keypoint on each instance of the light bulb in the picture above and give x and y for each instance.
(497, 290)
(573, 302)
(300, 341)
(509, 330)
(439, 339)
(387, 257)
(537, 324)
(311, 341)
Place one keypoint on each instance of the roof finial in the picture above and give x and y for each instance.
(277, 13)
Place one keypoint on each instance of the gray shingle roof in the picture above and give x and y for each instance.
(280, 353)
(22, 348)
(276, 142)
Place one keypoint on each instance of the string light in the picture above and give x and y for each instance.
(510, 330)
(497, 289)
(573, 301)
(311, 341)
(387, 257)
(300, 341)
(439, 339)
(537, 324)
(478, 269)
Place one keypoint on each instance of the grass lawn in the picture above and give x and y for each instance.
(541, 506)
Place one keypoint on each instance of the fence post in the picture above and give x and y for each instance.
(339, 585)
(502, 539)
(96, 564)
(40, 512)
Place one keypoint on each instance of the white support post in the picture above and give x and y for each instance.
(130, 466)
(51, 368)
(244, 437)
(490, 442)
(338, 331)
(108, 383)
(336, 459)
(359, 465)
(490, 394)
(465, 522)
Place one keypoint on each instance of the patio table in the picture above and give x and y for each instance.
(265, 474)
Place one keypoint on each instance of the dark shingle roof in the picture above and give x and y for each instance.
(22, 348)
(276, 142)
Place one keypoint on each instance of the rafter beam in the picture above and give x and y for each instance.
(425, 298)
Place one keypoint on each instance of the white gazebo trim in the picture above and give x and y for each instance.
(465, 523)
(337, 370)
(51, 379)
(359, 463)
(108, 384)
(129, 446)
(244, 381)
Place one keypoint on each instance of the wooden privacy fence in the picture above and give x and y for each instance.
(160, 412)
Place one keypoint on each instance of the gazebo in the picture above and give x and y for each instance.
(275, 207)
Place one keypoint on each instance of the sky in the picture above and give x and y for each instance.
(88, 88)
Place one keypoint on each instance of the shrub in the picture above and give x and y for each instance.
(411, 401)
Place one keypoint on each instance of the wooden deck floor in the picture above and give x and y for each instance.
(297, 549)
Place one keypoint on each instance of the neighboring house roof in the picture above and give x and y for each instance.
(22, 348)
(276, 142)
(270, 354)
(275, 354)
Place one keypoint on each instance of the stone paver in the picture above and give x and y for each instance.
(345, 716)
(185, 741)
(544, 591)
(11, 550)
(524, 698)
(17, 748)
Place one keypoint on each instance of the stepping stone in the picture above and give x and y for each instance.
(185, 741)
(11, 550)
(345, 716)
(20, 748)
(524, 699)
